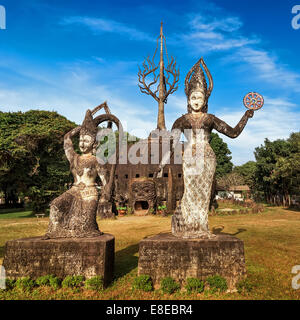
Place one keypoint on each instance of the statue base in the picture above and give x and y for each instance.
(165, 255)
(34, 257)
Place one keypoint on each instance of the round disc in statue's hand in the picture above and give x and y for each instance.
(253, 101)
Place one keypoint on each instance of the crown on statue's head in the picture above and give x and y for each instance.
(88, 126)
(195, 79)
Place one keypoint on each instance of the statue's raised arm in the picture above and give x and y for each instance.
(68, 144)
(222, 127)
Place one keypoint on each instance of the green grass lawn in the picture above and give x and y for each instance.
(272, 248)
(18, 214)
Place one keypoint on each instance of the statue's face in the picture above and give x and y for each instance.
(197, 100)
(143, 190)
(86, 143)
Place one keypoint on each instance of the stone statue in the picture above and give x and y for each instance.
(73, 214)
(190, 219)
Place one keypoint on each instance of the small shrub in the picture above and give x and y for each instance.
(10, 284)
(194, 285)
(143, 282)
(25, 284)
(217, 283)
(169, 285)
(43, 280)
(55, 282)
(244, 286)
(72, 281)
(95, 283)
(49, 280)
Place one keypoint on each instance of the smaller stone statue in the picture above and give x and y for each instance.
(73, 214)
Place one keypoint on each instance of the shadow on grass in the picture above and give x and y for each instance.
(218, 230)
(297, 209)
(125, 260)
(2, 252)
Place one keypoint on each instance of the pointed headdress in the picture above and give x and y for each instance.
(195, 79)
(88, 126)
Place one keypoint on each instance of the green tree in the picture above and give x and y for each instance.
(229, 180)
(247, 171)
(32, 159)
(286, 174)
(224, 164)
(277, 169)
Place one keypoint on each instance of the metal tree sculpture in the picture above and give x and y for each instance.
(165, 87)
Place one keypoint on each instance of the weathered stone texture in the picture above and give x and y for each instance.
(105, 210)
(164, 255)
(35, 257)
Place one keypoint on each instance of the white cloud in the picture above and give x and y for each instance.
(99, 25)
(134, 119)
(76, 91)
(208, 34)
(268, 68)
(207, 24)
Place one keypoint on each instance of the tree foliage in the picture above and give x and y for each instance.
(32, 159)
(247, 172)
(229, 180)
(278, 168)
(286, 174)
(224, 164)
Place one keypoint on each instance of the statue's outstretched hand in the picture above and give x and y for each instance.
(250, 113)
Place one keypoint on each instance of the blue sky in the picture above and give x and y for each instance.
(69, 56)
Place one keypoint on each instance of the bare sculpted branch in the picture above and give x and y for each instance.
(166, 80)
(149, 68)
(171, 70)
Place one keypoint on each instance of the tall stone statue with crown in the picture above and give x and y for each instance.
(191, 250)
(199, 161)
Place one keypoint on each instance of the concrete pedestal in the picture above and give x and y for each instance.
(35, 257)
(165, 255)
